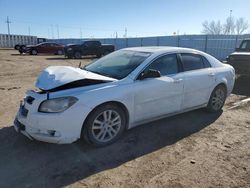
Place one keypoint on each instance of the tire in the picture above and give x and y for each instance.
(98, 55)
(78, 55)
(59, 52)
(17, 47)
(33, 52)
(99, 130)
(106, 52)
(23, 47)
(217, 99)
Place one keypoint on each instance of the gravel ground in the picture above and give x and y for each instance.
(194, 149)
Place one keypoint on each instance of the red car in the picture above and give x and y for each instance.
(45, 47)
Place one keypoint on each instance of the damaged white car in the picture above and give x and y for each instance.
(126, 88)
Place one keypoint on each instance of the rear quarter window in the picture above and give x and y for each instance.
(206, 62)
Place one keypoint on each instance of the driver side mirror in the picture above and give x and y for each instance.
(151, 73)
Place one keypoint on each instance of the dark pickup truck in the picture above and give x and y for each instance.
(240, 59)
(90, 47)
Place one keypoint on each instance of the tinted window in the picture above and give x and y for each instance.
(166, 65)
(44, 45)
(192, 62)
(92, 43)
(206, 62)
(245, 45)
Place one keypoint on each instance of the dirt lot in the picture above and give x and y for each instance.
(195, 149)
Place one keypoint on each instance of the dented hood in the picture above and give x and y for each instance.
(58, 76)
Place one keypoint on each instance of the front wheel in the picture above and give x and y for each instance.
(217, 99)
(104, 125)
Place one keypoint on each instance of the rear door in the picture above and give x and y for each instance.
(155, 97)
(199, 80)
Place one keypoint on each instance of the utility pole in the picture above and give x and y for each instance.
(52, 31)
(81, 33)
(48, 33)
(125, 34)
(57, 27)
(8, 24)
(230, 21)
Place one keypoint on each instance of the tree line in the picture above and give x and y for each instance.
(231, 25)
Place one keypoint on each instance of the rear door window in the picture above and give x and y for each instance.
(193, 62)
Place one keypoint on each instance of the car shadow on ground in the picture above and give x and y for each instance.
(20, 54)
(26, 163)
(27, 54)
(64, 58)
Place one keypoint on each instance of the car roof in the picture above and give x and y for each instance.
(248, 39)
(161, 49)
(48, 43)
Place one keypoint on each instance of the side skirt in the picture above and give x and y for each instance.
(132, 125)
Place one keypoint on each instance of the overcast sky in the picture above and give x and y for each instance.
(103, 18)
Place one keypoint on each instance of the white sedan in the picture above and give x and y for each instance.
(126, 88)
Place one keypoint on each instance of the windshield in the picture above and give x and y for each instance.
(119, 64)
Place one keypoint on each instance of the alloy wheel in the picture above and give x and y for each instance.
(106, 126)
(218, 99)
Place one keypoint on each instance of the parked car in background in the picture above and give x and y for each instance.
(240, 59)
(45, 47)
(90, 47)
(121, 90)
(22, 45)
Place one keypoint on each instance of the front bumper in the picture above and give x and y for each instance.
(60, 128)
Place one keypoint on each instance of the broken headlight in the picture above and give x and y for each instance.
(57, 105)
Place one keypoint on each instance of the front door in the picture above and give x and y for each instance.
(155, 97)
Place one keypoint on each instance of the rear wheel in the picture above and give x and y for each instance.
(59, 52)
(33, 52)
(104, 125)
(217, 99)
(98, 55)
(106, 52)
(78, 55)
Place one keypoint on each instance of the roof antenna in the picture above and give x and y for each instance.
(80, 64)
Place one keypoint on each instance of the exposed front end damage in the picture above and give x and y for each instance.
(56, 127)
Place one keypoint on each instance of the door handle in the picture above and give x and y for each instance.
(211, 74)
(177, 81)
